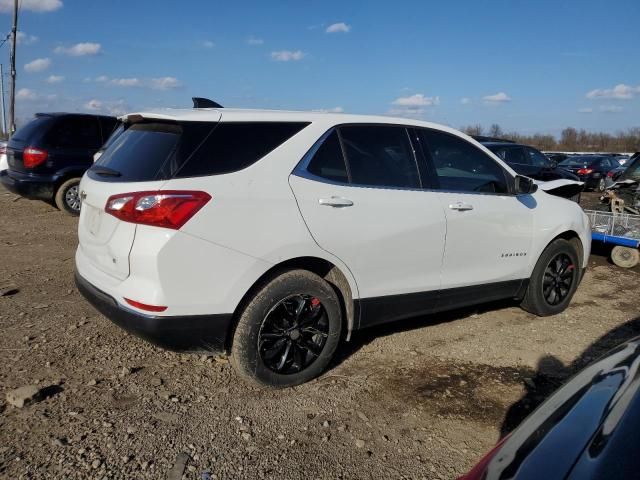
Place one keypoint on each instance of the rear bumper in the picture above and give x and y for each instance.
(195, 333)
(36, 187)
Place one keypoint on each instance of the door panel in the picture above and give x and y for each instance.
(392, 240)
(487, 242)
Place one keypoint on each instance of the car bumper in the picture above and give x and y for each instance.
(29, 186)
(195, 333)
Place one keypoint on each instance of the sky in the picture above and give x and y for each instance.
(530, 66)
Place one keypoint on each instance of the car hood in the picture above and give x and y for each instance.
(586, 409)
(562, 187)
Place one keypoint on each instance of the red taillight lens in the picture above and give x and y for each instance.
(32, 157)
(585, 171)
(144, 306)
(3, 149)
(163, 208)
(610, 174)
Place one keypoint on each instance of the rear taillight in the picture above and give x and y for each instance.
(163, 208)
(3, 149)
(585, 171)
(32, 157)
(610, 174)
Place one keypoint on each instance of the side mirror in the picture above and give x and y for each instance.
(524, 185)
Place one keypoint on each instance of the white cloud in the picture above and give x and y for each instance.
(165, 83)
(37, 65)
(32, 5)
(80, 49)
(26, 94)
(585, 110)
(123, 82)
(254, 41)
(117, 107)
(208, 44)
(101, 79)
(499, 97)
(338, 27)
(465, 100)
(287, 55)
(25, 39)
(619, 92)
(330, 110)
(55, 79)
(611, 109)
(417, 100)
(412, 105)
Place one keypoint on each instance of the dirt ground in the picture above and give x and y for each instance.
(419, 399)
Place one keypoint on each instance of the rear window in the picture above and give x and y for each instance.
(160, 151)
(36, 127)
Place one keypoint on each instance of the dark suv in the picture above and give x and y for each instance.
(526, 160)
(48, 156)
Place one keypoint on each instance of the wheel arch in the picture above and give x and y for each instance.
(321, 267)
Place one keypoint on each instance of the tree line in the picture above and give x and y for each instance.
(571, 139)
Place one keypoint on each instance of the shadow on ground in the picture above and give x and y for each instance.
(552, 373)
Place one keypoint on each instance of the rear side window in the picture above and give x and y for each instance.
(328, 161)
(75, 132)
(380, 156)
(164, 150)
(108, 126)
(233, 146)
(511, 155)
(462, 167)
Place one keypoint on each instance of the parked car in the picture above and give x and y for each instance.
(556, 157)
(117, 130)
(613, 175)
(4, 165)
(587, 430)
(591, 169)
(271, 235)
(528, 161)
(48, 156)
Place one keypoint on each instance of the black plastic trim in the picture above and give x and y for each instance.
(389, 308)
(193, 333)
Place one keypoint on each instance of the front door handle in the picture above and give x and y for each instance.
(460, 206)
(336, 202)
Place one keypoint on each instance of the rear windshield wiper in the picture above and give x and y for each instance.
(105, 171)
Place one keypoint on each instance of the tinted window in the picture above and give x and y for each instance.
(536, 158)
(114, 135)
(234, 146)
(511, 154)
(460, 166)
(328, 161)
(108, 126)
(35, 127)
(580, 161)
(75, 132)
(380, 156)
(159, 151)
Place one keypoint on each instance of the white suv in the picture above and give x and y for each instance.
(273, 235)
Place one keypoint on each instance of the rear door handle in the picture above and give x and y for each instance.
(336, 202)
(460, 206)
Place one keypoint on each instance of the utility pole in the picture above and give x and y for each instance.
(4, 118)
(12, 58)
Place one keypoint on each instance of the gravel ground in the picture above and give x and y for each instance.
(419, 399)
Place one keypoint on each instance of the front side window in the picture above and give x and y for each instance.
(511, 155)
(536, 158)
(460, 166)
(380, 156)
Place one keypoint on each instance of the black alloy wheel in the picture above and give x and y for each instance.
(558, 279)
(293, 334)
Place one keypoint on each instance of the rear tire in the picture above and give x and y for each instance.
(288, 332)
(602, 185)
(67, 197)
(554, 280)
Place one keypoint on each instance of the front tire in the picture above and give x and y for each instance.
(67, 197)
(554, 280)
(288, 332)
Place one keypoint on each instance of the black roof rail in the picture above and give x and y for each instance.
(200, 102)
(483, 138)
